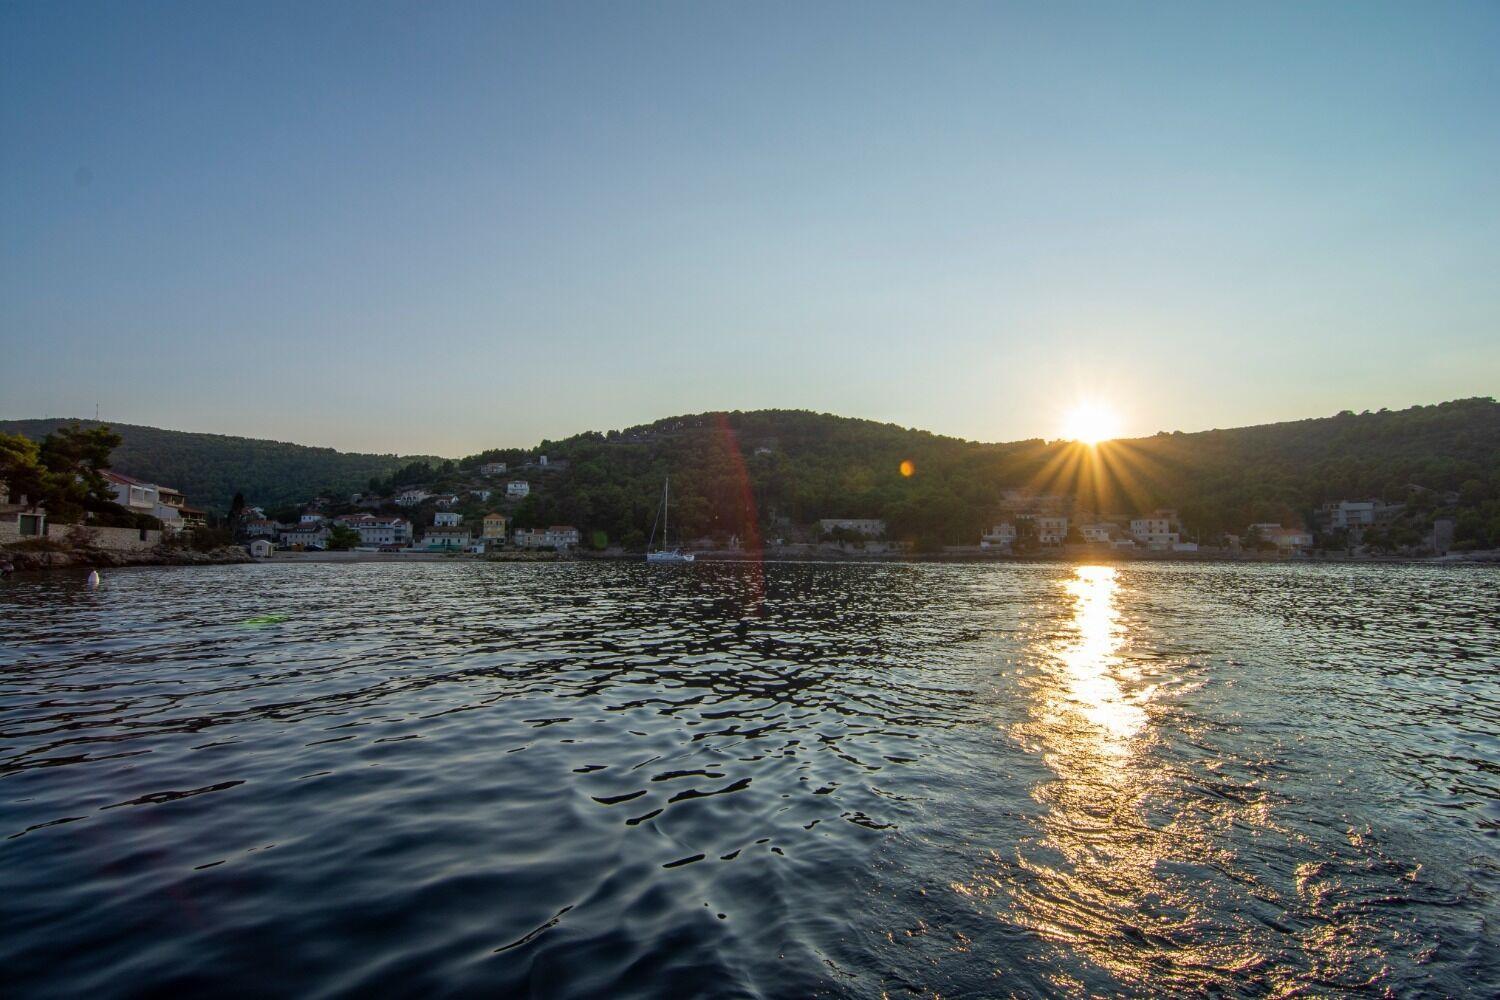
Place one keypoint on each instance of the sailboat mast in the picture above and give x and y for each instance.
(666, 511)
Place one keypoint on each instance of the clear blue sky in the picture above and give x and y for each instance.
(436, 227)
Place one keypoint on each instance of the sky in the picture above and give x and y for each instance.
(440, 227)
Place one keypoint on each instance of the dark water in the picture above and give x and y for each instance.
(615, 780)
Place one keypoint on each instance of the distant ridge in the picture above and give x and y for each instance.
(744, 472)
(211, 468)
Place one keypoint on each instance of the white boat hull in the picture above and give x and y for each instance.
(669, 557)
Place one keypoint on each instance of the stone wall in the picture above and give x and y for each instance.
(107, 539)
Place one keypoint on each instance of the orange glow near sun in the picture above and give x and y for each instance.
(1090, 422)
(907, 468)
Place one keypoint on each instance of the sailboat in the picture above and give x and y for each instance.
(664, 554)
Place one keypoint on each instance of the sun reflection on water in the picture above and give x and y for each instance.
(1094, 882)
(1091, 663)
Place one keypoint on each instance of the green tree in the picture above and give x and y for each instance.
(341, 538)
(20, 468)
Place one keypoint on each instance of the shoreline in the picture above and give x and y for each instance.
(47, 560)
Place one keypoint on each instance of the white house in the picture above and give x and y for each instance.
(482, 495)
(492, 469)
(1157, 530)
(411, 498)
(1001, 536)
(311, 518)
(132, 494)
(870, 527)
(1094, 532)
(260, 548)
(311, 535)
(378, 531)
(447, 519)
(260, 527)
(446, 538)
(1049, 530)
(167, 505)
(517, 488)
(1355, 514)
(559, 536)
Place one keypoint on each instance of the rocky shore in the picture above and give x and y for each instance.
(25, 558)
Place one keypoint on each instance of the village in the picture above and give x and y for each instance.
(479, 520)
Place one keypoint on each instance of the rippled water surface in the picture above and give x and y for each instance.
(788, 781)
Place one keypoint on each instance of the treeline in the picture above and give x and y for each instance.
(745, 473)
(762, 472)
(211, 468)
(64, 473)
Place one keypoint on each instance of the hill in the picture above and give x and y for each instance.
(211, 468)
(767, 471)
(747, 472)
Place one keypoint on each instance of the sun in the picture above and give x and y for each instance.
(1090, 422)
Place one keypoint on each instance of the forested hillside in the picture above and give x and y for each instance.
(741, 472)
(211, 468)
(765, 471)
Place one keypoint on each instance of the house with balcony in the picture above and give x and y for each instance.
(377, 531)
(1050, 529)
(1158, 531)
(558, 536)
(447, 519)
(167, 505)
(492, 469)
(446, 538)
(1098, 533)
(305, 535)
(1001, 536)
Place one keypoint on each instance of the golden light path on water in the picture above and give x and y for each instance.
(1094, 883)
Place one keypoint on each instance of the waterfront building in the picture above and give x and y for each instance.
(1095, 532)
(453, 539)
(260, 548)
(870, 527)
(378, 531)
(559, 536)
(1157, 530)
(167, 505)
(1001, 536)
(1050, 529)
(306, 535)
(493, 528)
